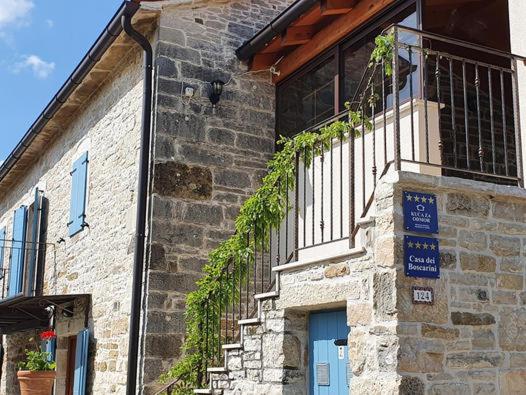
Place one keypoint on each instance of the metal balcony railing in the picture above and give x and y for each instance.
(440, 112)
(21, 269)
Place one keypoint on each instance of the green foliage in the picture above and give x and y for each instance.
(262, 211)
(37, 361)
(383, 51)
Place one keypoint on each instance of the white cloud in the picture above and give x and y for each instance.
(14, 11)
(41, 69)
(50, 23)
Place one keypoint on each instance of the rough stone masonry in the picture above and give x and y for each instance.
(470, 341)
(206, 162)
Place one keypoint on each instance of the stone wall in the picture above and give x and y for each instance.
(472, 340)
(206, 163)
(98, 260)
(275, 358)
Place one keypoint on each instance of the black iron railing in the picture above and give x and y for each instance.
(21, 269)
(476, 92)
(438, 113)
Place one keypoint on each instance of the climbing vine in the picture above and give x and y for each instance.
(264, 210)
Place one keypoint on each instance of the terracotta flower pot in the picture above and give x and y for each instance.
(36, 383)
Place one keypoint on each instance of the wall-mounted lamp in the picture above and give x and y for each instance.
(216, 90)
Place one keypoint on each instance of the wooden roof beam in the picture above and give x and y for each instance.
(297, 35)
(337, 30)
(336, 7)
(263, 61)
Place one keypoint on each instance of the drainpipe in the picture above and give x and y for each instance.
(142, 199)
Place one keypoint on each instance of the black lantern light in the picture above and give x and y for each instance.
(216, 91)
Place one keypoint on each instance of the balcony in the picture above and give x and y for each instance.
(23, 269)
(448, 115)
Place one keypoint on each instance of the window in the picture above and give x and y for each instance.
(318, 92)
(308, 99)
(79, 185)
(27, 247)
(357, 52)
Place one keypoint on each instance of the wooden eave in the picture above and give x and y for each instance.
(145, 22)
(316, 30)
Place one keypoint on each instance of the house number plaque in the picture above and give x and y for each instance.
(423, 295)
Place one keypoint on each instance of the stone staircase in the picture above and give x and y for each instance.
(242, 360)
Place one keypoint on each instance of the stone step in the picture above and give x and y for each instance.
(365, 222)
(250, 321)
(217, 370)
(267, 295)
(233, 346)
(203, 391)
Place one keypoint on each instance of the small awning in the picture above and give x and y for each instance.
(23, 312)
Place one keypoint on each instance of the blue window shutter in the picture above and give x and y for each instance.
(81, 363)
(16, 266)
(2, 251)
(49, 346)
(79, 183)
(34, 246)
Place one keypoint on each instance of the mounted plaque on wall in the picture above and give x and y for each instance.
(421, 257)
(420, 212)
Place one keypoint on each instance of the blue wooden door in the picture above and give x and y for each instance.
(328, 353)
(81, 363)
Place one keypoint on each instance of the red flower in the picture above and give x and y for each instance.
(48, 335)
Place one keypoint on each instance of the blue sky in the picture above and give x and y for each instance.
(41, 42)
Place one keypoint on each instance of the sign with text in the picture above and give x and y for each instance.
(420, 212)
(421, 257)
(423, 295)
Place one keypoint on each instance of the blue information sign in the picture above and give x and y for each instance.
(421, 257)
(420, 212)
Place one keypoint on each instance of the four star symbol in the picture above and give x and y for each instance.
(418, 199)
(425, 245)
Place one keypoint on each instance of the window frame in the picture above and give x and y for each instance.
(337, 51)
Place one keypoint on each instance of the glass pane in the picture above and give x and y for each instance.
(356, 58)
(307, 100)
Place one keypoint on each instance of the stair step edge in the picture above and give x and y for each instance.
(267, 295)
(249, 321)
(217, 370)
(233, 346)
(365, 221)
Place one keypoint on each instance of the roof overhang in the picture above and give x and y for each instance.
(22, 313)
(304, 30)
(106, 53)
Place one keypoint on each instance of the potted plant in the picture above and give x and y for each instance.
(36, 373)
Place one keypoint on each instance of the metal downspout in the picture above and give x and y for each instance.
(142, 200)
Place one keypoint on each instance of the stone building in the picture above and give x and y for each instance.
(114, 198)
